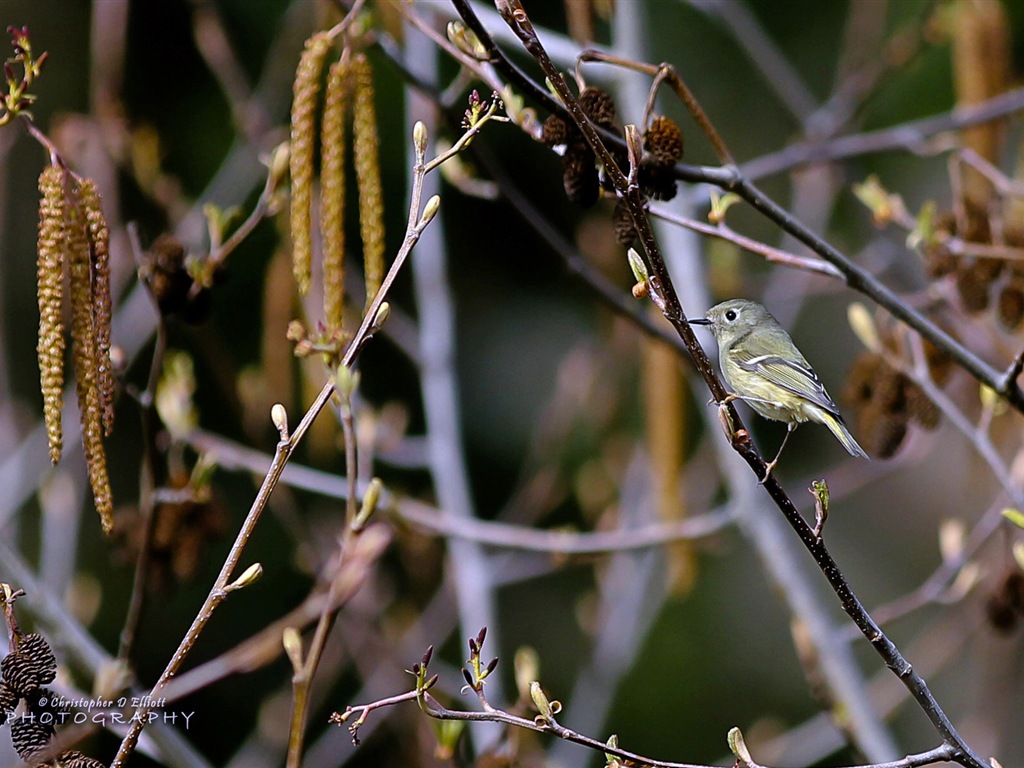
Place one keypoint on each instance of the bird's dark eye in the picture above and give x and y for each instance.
(730, 315)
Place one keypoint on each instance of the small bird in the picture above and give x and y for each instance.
(762, 366)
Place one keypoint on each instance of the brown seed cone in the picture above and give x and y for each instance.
(76, 759)
(305, 92)
(664, 140)
(554, 131)
(579, 176)
(939, 261)
(1010, 307)
(988, 270)
(1000, 613)
(167, 274)
(622, 223)
(920, 407)
(99, 240)
(861, 379)
(8, 700)
(37, 650)
(890, 390)
(365, 151)
(882, 432)
(29, 736)
(18, 674)
(50, 294)
(972, 284)
(940, 365)
(84, 355)
(1013, 588)
(598, 106)
(332, 192)
(44, 702)
(657, 181)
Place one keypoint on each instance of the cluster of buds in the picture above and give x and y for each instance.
(329, 342)
(477, 673)
(887, 401)
(18, 99)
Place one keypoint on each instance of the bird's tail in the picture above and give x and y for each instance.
(838, 427)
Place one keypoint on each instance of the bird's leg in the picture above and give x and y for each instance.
(729, 397)
(771, 464)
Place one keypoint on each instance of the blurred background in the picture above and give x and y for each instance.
(504, 389)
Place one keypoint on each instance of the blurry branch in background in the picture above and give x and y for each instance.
(232, 456)
(773, 255)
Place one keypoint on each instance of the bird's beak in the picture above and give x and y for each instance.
(699, 321)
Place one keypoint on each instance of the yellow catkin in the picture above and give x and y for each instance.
(99, 241)
(367, 163)
(332, 193)
(50, 289)
(83, 335)
(305, 91)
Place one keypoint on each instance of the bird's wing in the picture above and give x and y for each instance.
(796, 377)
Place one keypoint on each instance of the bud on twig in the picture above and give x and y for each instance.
(370, 500)
(863, 326)
(635, 148)
(279, 416)
(739, 747)
(292, 641)
(419, 137)
(430, 210)
(636, 263)
(819, 490)
(540, 701)
(249, 576)
(383, 313)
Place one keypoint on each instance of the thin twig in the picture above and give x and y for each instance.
(232, 456)
(667, 74)
(774, 255)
